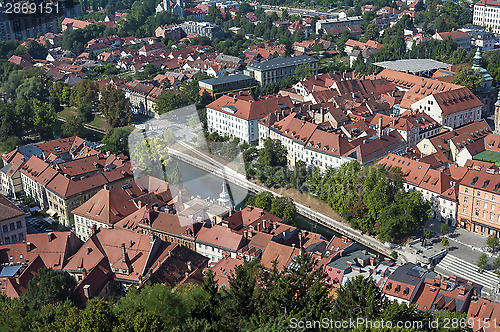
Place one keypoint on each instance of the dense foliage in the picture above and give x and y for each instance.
(255, 299)
(281, 207)
(371, 199)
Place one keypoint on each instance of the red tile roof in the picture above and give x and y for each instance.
(280, 254)
(413, 171)
(8, 209)
(95, 280)
(248, 109)
(224, 269)
(221, 237)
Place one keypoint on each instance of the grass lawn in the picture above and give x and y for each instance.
(100, 122)
(67, 111)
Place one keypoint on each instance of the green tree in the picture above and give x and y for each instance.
(496, 262)
(371, 32)
(358, 297)
(60, 92)
(85, 112)
(13, 81)
(73, 126)
(36, 50)
(469, 77)
(50, 287)
(492, 242)
(445, 242)
(35, 87)
(85, 92)
(44, 118)
(97, 316)
(115, 107)
(11, 143)
(444, 229)
(169, 136)
(482, 262)
(284, 208)
(116, 140)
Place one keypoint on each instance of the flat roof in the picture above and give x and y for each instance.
(413, 66)
(226, 79)
(282, 62)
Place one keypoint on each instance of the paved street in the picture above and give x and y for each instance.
(466, 245)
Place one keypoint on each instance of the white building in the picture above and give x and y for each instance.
(236, 115)
(436, 187)
(453, 108)
(218, 241)
(305, 142)
(487, 13)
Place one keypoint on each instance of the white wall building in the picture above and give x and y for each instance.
(487, 13)
(236, 115)
(453, 108)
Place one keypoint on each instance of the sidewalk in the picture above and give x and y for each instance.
(466, 245)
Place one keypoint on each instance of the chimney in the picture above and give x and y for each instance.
(89, 250)
(106, 187)
(379, 127)
(17, 280)
(86, 291)
(50, 235)
(258, 227)
(263, 225)
(188, 263)
(245, 234)
(139, 204)
(124, 253)
(28, 246)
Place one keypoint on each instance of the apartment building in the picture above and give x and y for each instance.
(463, 39)
(206, 29)
(217, 242)
(304, 141)
(237, 115)
(453, 108)
(20, 27)
(487, 13)
(338, 22)
(169, 227)
(436, 186)
(479, 202)
(277, 69)
(170, 32)
(219, 85)
(12, 223)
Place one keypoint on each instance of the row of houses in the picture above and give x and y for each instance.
(61, 174)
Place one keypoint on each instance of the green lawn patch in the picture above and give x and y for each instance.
(489, 157)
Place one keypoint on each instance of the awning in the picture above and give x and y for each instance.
(51, 212)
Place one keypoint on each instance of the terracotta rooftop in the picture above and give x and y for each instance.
(8, 209)
(241, 106)
(221, 237)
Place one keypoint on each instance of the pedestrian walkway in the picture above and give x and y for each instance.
(452, 265)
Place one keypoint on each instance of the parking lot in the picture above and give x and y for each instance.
(35, 223)
(38, 224)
